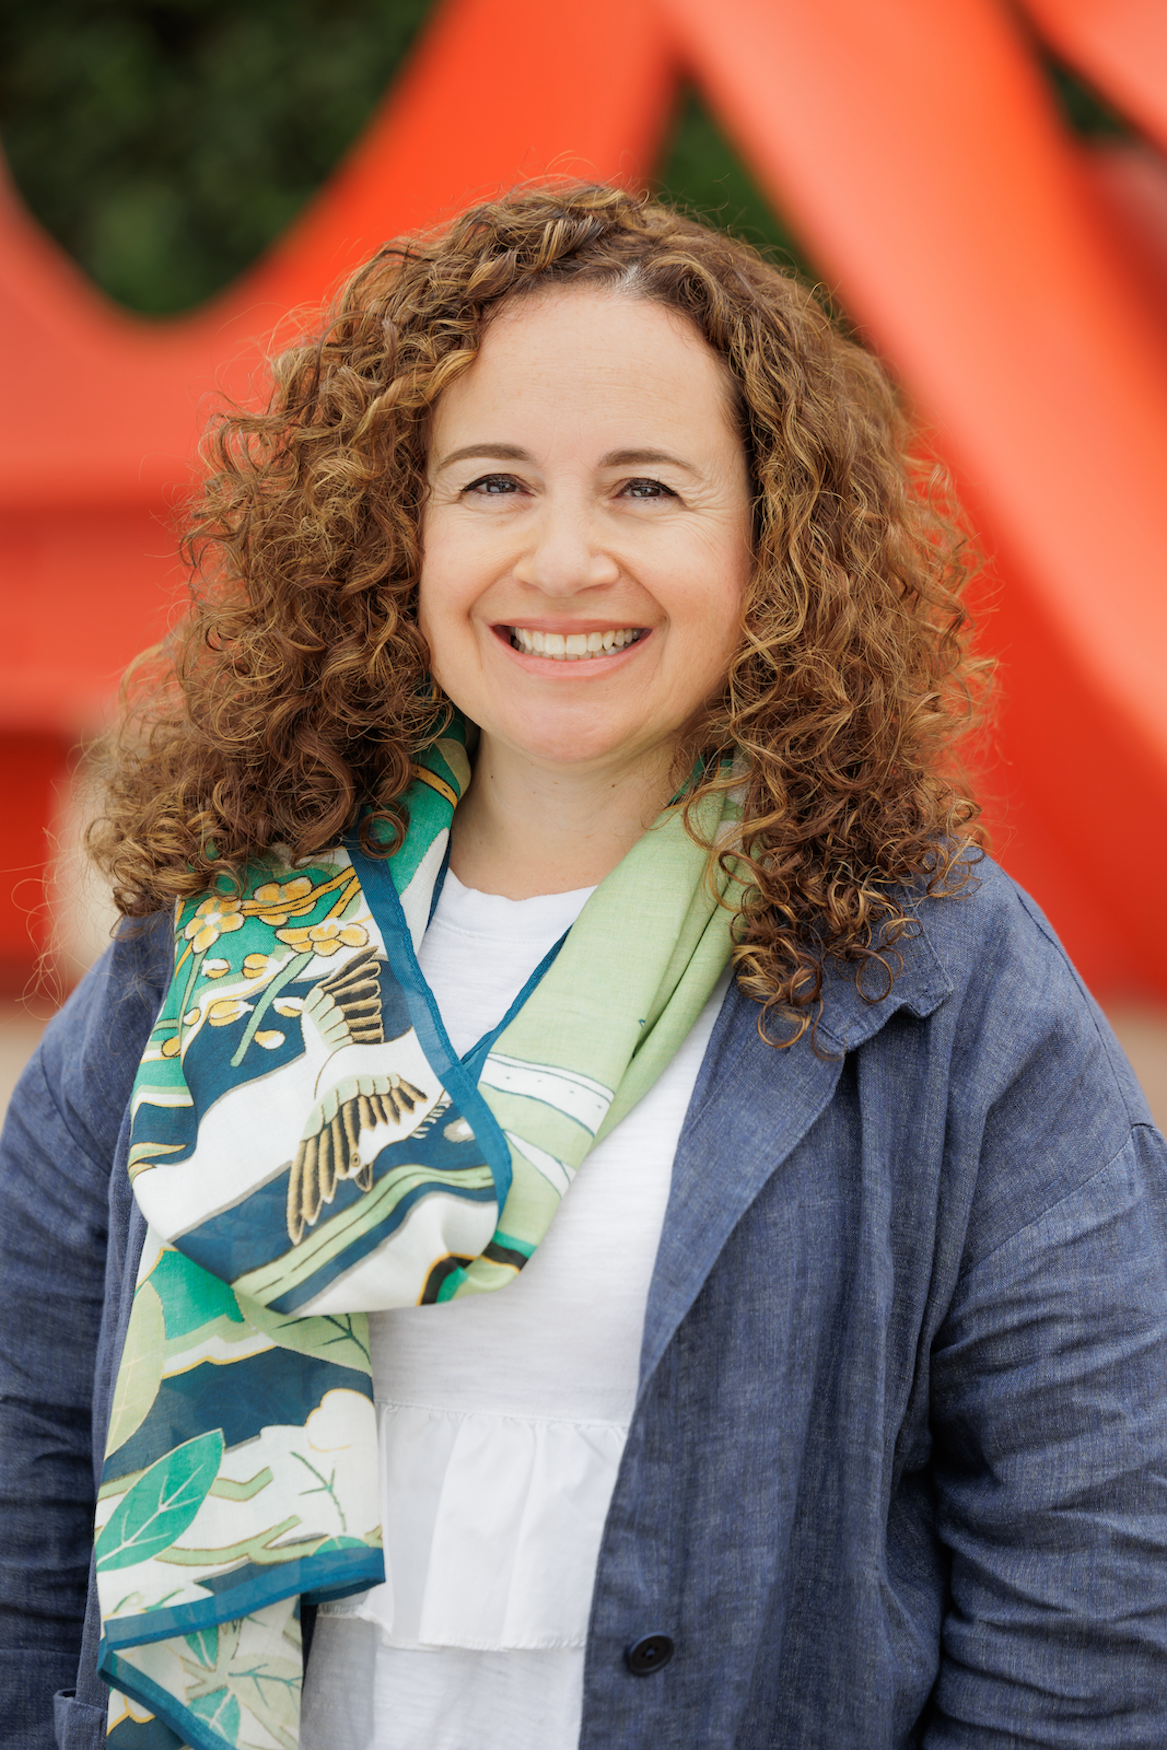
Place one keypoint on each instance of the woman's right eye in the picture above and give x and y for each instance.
(492, 484)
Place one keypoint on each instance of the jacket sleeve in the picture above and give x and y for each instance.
(1049, 1410)
(56, 1152)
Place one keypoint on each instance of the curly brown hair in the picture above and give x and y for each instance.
(297, 688)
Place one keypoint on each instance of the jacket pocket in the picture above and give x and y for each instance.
(77, 1727)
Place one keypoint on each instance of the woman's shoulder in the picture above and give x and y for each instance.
(83, 1070)
(986, 1017)
(983, 919)
(988, 1073)
(979, 947)
(1014, 988)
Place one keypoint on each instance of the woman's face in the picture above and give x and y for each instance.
(586, 539)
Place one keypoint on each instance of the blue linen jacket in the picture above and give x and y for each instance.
(897, 1474)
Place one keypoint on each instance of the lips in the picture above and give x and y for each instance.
(573, 646)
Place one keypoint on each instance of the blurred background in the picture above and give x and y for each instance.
(979, 190)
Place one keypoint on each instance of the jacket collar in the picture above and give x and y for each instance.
(751, 1106)
(849, 1018)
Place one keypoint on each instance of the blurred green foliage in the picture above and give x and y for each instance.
(166, 143)
(1088, 115)
(702, 173)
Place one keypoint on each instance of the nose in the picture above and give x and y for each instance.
(564, 555)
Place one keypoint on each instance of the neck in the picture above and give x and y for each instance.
(523, 829)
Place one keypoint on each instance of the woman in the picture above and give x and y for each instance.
(635, 1226)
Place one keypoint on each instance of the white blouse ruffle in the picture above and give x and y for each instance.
(492, 1528)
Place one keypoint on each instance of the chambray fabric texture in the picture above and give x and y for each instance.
(898, 1470)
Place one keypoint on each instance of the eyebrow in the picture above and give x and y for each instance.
(613, 459)
(644, 459)
(485, 453)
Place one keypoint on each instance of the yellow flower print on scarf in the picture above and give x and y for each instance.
(215, 917)
(276, 901)
(325, 938)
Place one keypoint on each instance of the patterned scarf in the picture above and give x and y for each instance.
(306, 1147)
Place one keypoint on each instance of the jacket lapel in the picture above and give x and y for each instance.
(751, 1106)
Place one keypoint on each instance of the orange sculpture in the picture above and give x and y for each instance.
(1016, 282)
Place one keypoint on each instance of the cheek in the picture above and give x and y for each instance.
(437, 590)
(445, 597)
(425, 618)
(434, 617)
(458, 562)
(713, 606)
(714, 638)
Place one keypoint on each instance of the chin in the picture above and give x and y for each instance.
(574, 743)
(571, 750)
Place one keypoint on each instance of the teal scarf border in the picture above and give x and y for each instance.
(380, 891)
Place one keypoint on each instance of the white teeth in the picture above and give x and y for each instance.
(572, 646)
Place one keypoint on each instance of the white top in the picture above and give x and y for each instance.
(503, 1417)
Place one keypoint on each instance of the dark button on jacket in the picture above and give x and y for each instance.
(650, 1653)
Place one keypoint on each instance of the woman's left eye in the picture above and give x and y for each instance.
(647, 489)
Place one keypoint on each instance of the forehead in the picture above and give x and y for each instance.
(604, 357)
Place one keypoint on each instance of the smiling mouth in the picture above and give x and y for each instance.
(573, 646)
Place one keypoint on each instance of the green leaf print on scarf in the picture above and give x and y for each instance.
(161, 1504)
